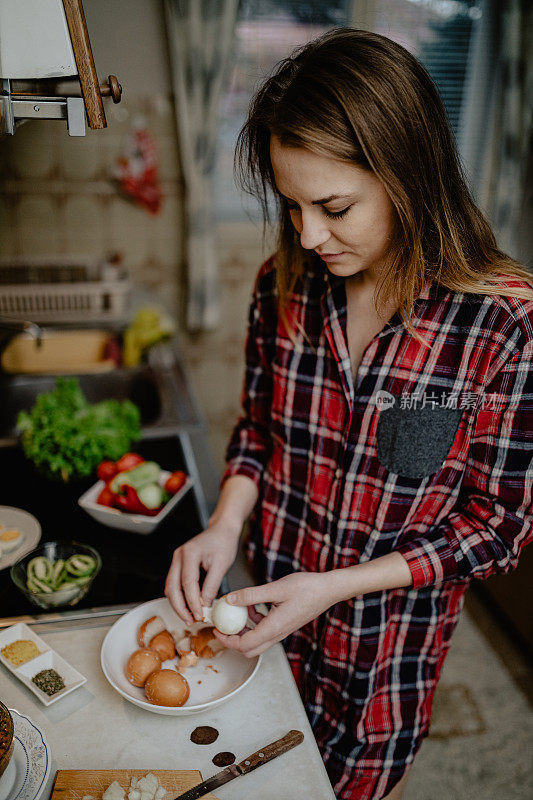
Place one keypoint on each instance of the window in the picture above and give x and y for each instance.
(267, 31)
(438, 32)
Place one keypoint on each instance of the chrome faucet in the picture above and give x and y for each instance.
(22, 326)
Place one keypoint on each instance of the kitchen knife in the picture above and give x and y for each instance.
(290, 740)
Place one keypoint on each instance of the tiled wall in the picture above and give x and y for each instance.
(57, 196)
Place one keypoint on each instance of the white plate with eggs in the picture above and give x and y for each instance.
(20, 533)
(211, 682)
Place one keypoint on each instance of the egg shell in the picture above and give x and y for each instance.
(167, 688)
(141, 664)
(201, 639)
(163, 643)
(187, 660)
(229, 619)
(150, 628)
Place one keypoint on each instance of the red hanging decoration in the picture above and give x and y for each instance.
(136, 170)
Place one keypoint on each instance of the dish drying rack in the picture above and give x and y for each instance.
(64, 290)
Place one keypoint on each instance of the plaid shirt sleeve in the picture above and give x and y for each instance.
(249, 446)
(493, 518)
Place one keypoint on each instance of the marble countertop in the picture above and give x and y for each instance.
(95, 728)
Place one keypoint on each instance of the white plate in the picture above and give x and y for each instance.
(207, 687)
(136, 523)
(27, 773)
(12, 518)
(48, 659)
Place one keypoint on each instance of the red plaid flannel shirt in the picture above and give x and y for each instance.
(442, 476)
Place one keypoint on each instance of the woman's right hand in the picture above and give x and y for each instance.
(215, 549)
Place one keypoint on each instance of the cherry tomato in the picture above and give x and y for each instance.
(106, 497)
(129, 461)
(106, 470)
(175, 481)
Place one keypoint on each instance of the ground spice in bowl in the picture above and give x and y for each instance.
(49, 681)
(20, 651)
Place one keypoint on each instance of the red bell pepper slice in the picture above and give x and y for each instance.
(129, 502)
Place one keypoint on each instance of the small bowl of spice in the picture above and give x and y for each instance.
(7, 737)
(49, 681)
(39, 667)
(20, 651)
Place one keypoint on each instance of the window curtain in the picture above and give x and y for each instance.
(363, 14)
(496, 123)
(200, 36)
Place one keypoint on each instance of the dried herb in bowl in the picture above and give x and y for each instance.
(49, 681)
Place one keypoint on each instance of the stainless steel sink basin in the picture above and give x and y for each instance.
(20, 392)
(158, 388)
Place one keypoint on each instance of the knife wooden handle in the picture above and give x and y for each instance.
(290, 740)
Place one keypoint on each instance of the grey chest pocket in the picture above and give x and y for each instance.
(414, 442)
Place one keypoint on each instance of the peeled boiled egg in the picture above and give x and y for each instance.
(142, 663)
(163, 643)
(228, 619)
(10, 540)
(166, 687)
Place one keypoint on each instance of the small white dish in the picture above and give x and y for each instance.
(12, 518)
(27, 773)
(47, 659)
(136, 523)
(212, 682)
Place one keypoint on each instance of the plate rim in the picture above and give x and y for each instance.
(24, 549)
(47, 751)
(176, 710)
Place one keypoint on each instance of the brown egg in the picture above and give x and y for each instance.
(163, 643)
(167, 688)
(141, 664)
(150, 628)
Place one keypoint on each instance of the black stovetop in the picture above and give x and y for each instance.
(134, 566)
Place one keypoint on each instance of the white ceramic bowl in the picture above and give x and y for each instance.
(136, 523)
(233, 670)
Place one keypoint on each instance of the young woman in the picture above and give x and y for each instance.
(384, 452)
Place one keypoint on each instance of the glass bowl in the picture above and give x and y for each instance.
(68, 596)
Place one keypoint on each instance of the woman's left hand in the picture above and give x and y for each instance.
(295, 600)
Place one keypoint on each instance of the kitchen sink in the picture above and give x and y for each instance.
(140, 385)
(158, 388)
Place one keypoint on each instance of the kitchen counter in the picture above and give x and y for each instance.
(95, 728)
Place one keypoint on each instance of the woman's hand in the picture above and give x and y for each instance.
(215, 550)
(295, 600)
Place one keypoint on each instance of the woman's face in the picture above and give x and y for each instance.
(340, 210)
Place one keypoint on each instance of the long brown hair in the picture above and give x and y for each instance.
(362, 98)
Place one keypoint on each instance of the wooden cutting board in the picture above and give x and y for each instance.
(73, 784)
